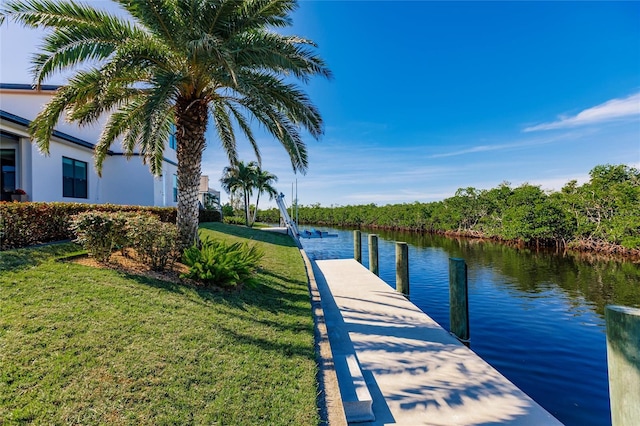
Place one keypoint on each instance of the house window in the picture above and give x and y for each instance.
(173, 143)
(175, 188)
(7, 173)
(74, 178)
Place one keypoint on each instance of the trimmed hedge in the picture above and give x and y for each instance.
(27, 224)
(155, 243)
(210, 216)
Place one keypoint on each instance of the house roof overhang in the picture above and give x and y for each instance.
(15, 119)
(29, 87)
(24, 123)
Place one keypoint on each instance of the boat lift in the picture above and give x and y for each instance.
(292, 228)
(288, 222)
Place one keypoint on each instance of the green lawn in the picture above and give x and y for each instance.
(87, 346)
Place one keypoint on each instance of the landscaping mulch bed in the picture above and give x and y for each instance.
(130, 265)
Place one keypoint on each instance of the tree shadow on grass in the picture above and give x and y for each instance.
(249, 233)
(289, 349)
(157, 283)
(261, 305)
(271, 296)
(283, 278)
(17, 259)
(268, 297)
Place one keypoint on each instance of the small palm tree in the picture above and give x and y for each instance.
(241, 178)
(263, 183)
(175, 62)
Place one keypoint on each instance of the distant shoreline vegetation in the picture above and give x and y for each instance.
(602, 215)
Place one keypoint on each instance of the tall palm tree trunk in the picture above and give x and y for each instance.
(246, 207)
(191, 123)
(255, 211)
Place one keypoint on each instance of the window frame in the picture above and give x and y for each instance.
(175, 188)
(77, 191)
(173, 141)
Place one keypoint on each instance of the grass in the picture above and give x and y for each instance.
(93, 346)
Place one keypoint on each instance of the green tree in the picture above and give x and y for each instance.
(263, 183)
(241, 178)
(227, 210)
(525, 217)
(496, 201)
(607, 208)
(175, 62)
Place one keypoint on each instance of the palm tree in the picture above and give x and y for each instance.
(263, 182)
(175, 62)
(241, 178)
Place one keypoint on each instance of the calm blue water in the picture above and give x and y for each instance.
(536, 317)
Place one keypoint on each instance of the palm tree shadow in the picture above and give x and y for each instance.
(251, 234)
(412, 365)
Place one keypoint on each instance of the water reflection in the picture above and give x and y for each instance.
(536, 316)
(599, 281)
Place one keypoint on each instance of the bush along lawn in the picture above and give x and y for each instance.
(93, 346)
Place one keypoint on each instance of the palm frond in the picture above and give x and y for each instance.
(246, 129)
(82, 33)
(284, 54)
(224, 128)
(125, 123)
(58, 14)
(287, 98)
(266, 13)
(157, 16)
(156, 127)
(96, 95)
(283, 130)
(42, 127)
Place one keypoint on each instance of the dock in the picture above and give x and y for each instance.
(396, 366)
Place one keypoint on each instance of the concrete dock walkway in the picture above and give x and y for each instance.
(415, 372)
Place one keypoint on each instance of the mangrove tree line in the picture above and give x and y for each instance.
(603, 213)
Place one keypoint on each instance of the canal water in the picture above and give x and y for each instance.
(537, 317)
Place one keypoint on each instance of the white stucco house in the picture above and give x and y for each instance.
(68, 174)
(208, 197)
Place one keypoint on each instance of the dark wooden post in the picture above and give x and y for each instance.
(623, 360)
(373, 254)
(357, 246)
(402, 268)
(458, 299)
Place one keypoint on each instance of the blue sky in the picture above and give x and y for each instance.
(429, 97)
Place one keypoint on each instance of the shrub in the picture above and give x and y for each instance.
(28, 224)
(227, 210)
(234, 220)
(222, 264)
(99, 233)
(155, 242)
(209, 216)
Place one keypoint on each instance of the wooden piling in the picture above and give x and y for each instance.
(458, 299)
(402, 268)
(373, 254)
(623, 361)
(357, 246)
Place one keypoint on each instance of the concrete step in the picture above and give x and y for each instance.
(356, 398)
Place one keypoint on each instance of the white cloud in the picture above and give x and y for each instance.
(518, 144)
(614, 109)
